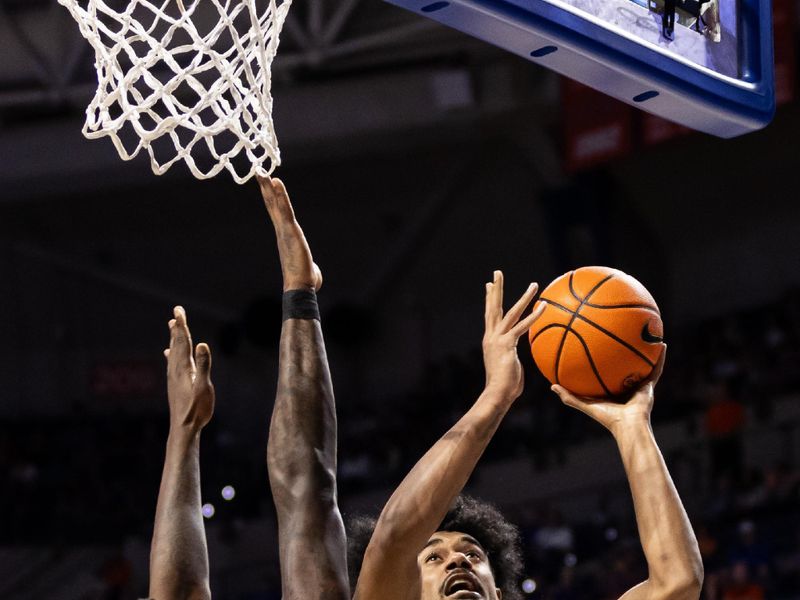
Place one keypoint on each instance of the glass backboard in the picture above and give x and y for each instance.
(707, 64)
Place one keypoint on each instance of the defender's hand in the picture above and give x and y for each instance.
(616, 416)
(298, 268)
(189, 388)
(503, 370)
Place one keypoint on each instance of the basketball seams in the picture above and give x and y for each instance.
(558, 353)
(575, 316)
(617, 339)
(556, 305)
(585, 302)
(545, 328)
(612, 306)
(572, 288)
(568, 296)
(541, 331)
(591, 362)
(567, 330)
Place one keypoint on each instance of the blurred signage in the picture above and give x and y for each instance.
(126, 379)
(783, 24)
(597, 128)
(655, 130)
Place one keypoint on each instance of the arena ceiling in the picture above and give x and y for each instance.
(361, 81)
(356, 68)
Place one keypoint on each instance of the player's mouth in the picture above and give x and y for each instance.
(462, 585)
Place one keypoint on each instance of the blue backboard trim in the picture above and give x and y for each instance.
(627, 68)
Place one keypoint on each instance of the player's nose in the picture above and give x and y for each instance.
(458, 560)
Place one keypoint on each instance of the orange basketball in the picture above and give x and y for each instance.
(600, 333)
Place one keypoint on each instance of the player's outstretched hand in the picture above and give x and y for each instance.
(503, 369)
(299, 269)
(615, 416)
(189, 388)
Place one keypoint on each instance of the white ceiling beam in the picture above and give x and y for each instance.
(382, 39)
(136, 286)
(316, 17)
(322, 119)
(296, 31)
(338, 20)
(41, 66)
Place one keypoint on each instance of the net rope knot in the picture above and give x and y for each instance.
(185, 81)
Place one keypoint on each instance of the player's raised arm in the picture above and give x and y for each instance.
(390, 570)
(301, 452)
(675, 569)
(178, 556)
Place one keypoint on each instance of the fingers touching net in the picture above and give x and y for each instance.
(185, 80)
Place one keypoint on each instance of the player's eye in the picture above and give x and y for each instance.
(431, 558)
(473, 554)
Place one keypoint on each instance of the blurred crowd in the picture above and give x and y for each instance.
(724, 368)
(94, 479)
(749, 541)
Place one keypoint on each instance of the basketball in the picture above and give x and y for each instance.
(600, 333)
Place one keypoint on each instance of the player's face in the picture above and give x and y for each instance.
(454, 566)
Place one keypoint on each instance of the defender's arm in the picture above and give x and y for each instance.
(301, 452)
(178, 554)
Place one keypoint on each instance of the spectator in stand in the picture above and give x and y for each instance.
(788, 565)
(116, 573)
(720, 504)
(712, 586)
(752, 492)
(756, 555)
(725, 419)
(783, 485)
(553, 540)
(568, 587)
(709, 548)
(741, 586)
(555, 535)
(625, 570)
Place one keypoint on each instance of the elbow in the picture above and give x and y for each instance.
(692, 581)
(311, 478)
(390, 527)
(396, 522)
(691, 587)
(188, 591)
(180, 586)
(312, 464)
(199, 592)
(683, 586)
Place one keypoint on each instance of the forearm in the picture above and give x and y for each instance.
(178, 555)
(301, 452)
(301, 459)
(675, 569)
(421, 501)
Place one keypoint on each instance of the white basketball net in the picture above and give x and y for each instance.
(193, 76)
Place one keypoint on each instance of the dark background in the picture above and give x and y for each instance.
(410, 194)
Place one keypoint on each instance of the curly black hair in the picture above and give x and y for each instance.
(498, 537)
